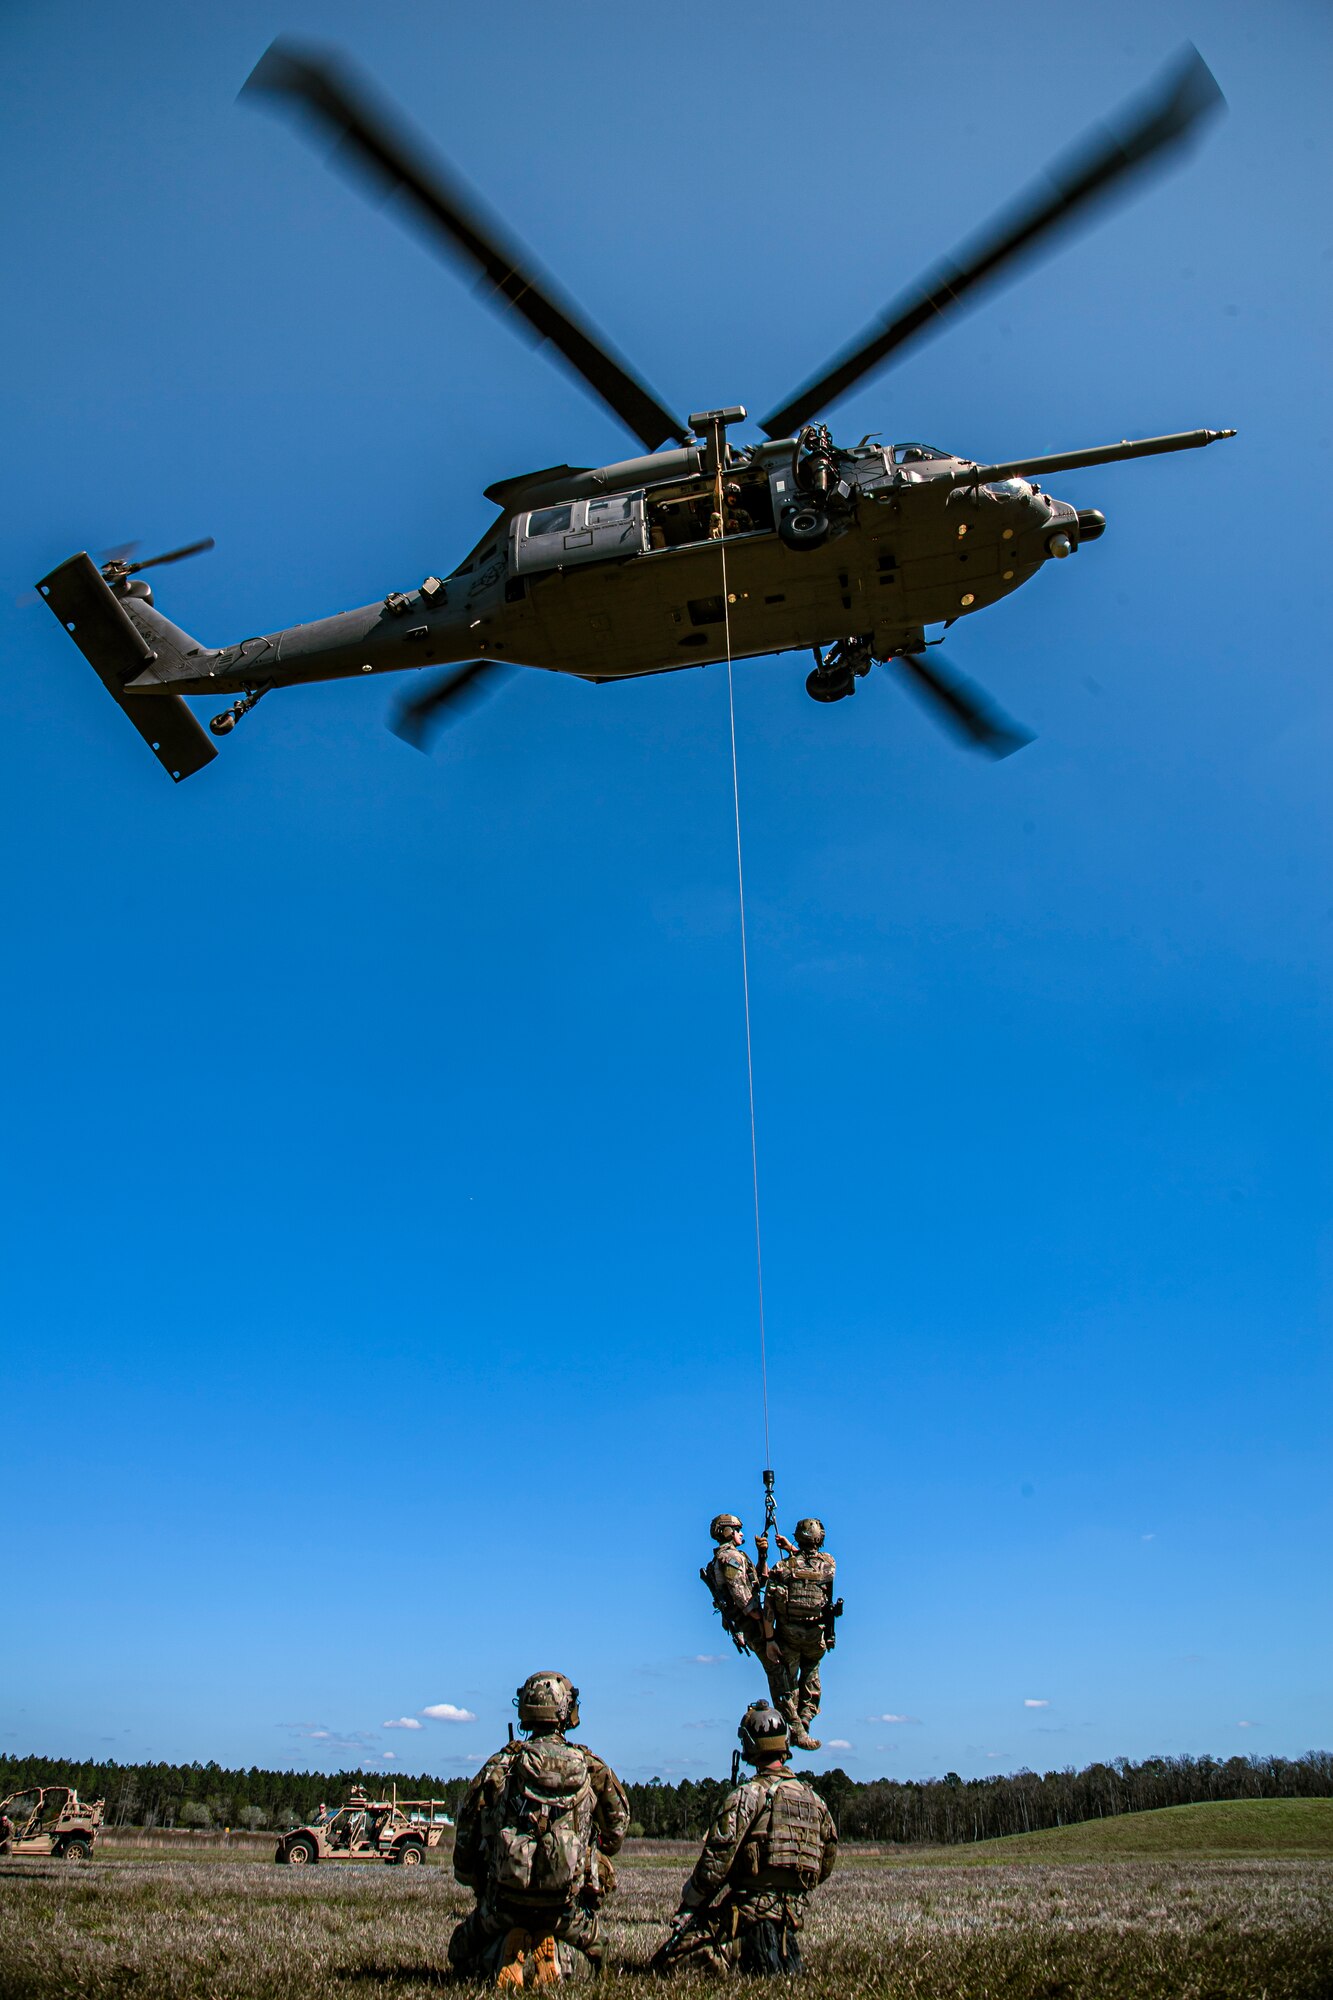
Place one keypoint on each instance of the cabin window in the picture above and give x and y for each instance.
(550, 521)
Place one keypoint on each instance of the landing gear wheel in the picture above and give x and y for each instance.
(826, 685)
(803, 527)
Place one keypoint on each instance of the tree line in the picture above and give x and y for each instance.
(210, 1795)
(938, 1811)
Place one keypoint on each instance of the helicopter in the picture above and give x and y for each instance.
(695, 551)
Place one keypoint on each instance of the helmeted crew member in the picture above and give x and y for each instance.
(532, 1841)
(737, 1585)
(799, 1598)
(772, 1841)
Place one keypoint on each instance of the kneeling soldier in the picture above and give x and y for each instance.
(771, 1842)
(532, 1836)
(800, 1601)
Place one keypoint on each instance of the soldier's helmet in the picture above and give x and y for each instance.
(810, 1533)
(723, 1525)
(763, 1732)
(547, 1701)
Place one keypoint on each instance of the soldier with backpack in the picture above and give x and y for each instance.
(799, 1598)
(771, 1842)
(532, 1842)
(736, 1588)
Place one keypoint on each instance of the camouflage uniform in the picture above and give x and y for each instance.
(800, 1593)
(771, 1842)
(476, 1944)
(737, 1588)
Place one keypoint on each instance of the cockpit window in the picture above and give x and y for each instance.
(913, 454)
(549, 521)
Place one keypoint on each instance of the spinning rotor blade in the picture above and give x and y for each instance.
(117, 563)
(454, 218)
(962, 707)
(1156, 124)
(457, 689)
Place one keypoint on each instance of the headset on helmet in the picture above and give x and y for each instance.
(547, 1701)
(810, 1533)
(723, 1525)
(763, 1733)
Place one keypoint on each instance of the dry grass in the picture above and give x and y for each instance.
(1127, 1930)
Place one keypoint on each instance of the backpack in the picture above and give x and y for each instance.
(806, 1587)
(543, 1847)
(786, 1841)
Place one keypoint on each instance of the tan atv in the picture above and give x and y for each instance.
(395, 1830)
(48, 1819)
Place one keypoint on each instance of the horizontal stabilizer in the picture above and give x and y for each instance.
(95, 620)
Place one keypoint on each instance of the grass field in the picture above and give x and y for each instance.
(1204, 1914)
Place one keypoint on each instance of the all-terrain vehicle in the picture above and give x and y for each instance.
(395, 1830)
(48, 1819)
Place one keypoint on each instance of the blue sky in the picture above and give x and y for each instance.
(377, 1176)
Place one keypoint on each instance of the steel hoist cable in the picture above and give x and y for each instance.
(769, 1503)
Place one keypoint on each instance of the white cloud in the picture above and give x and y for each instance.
(445, 1711)
(1249, 1725)
(837, 1743)
(403, 1722)
(893, 1718)
(1147, 1538)
(706, 1659)
(1028, 1702)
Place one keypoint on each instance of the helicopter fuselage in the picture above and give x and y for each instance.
(607, 575)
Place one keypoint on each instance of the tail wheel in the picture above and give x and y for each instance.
(301, 1853)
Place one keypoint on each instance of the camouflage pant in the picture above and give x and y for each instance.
(752, 1931)
(798, 1690)
(475, 1947)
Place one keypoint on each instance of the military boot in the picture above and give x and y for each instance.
(513, 1952)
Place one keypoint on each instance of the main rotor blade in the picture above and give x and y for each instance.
(453, 216)
(1153, 126)
(458, 690)
(962, 707)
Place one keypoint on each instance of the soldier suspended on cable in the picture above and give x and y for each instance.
(799, 1603)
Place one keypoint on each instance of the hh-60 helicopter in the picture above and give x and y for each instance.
(683, 556)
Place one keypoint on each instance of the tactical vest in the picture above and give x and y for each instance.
(806, 1587)
(543, 1848)
(784, 1848)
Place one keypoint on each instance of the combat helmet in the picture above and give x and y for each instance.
(764, 1732)
(723, 1525)
(810, 1533)
(547, 1701)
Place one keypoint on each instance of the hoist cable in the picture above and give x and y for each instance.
(745, 955)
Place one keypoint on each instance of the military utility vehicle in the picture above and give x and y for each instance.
(48, 1819)
(397, 1830)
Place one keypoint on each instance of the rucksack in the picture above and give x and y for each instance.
(543, 1846)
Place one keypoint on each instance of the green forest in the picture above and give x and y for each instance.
(930, 1810)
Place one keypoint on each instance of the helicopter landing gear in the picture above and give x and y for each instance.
(804, 526)
(837, 671)
(222, 725)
